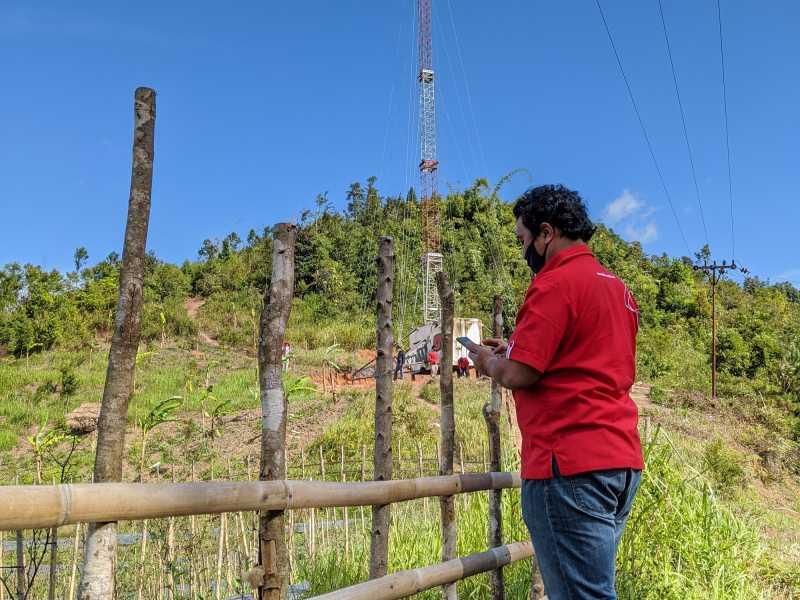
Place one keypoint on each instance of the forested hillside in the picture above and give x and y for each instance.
(758, 325)
(719, 511)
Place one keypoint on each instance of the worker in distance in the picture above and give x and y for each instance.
(570, 363)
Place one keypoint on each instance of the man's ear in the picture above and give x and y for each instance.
(548, 230)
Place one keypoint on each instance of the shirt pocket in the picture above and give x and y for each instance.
(598, 492)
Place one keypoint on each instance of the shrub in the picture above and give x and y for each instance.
(723, 466)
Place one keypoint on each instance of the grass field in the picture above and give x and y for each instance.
(709, 521)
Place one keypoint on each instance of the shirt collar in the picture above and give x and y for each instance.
(565, 256)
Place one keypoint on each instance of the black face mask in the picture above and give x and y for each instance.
(534, 259)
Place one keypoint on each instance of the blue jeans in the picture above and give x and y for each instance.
(576, 523)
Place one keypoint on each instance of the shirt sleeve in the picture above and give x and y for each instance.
(542, 325)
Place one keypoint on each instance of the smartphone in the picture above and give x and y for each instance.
(465, 341)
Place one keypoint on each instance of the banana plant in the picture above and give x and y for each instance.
(158, 415)
(214, 415)
(297, 386)
(41, 442)
(330, 367)
(141, 357)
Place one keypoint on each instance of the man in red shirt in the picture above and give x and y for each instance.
(433, 361)
(570, 363)
(463, 367)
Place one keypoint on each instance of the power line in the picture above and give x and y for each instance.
(683, 121)
(641, 124)
(466, 87)
(727, 139)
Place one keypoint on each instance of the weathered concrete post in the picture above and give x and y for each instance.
(382, 456)
(99, 569)
(491, 413)
(448, 426)
(273, 553)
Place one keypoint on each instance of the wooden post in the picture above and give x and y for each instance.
(491, 413)
(382, 458)
(448, 426)
(277, 306)
(98, 577)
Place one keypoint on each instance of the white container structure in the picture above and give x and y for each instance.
(427, 337)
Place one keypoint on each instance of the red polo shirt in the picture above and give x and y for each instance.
(577, 327)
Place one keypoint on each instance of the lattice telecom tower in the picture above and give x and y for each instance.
(428, 165)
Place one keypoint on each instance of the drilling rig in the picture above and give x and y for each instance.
(427, 337)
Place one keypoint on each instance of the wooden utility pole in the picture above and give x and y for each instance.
(448, 426)
(382, 456)
(715, 272)
(272, 550)
(491, 413)
(100, 553)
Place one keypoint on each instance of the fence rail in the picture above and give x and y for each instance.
(44, 506)
(405, 583)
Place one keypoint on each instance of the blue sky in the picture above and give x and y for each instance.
(262, 105)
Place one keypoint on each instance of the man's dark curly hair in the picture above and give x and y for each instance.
(557, 205)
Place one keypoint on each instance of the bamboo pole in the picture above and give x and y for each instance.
(171, 549)
(20, 569)
(228, 559)
(382, 456)
(448, 427)
(413, 581)
(98, 577)
(277, 307)
(363, 478)
(255, 514)
(421, 473)
(40, 507)
(21, 581)
(343, 479)
(327, 517)
(142, 557)
(220, 547)
(491, 414)
(51, 585)
(239, 521)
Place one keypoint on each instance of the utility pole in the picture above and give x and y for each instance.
(715, 273)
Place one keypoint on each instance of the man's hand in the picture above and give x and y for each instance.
(480, 356)
(499, 346)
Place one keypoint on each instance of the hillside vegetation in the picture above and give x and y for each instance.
(718, 515)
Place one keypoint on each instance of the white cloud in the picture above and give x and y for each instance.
(622, 207)
(644, 234)
(633, 216)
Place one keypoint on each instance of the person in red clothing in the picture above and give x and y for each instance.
(463, 367)
(433, 361)
(570, 364)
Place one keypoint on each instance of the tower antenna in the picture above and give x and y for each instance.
(428, 165)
